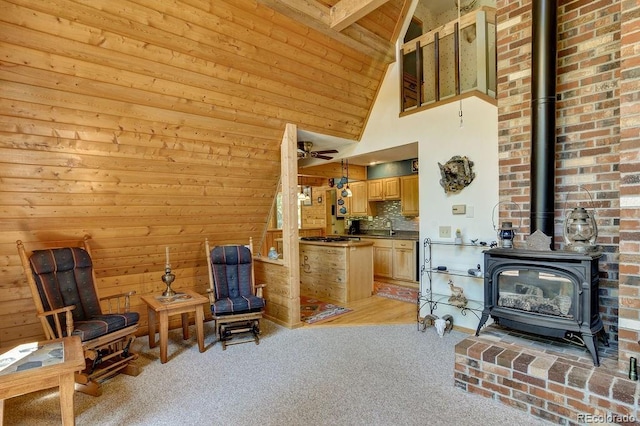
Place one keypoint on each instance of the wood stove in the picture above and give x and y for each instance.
(549, 293)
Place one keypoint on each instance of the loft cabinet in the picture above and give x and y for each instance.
(384, 189)
(410, 199)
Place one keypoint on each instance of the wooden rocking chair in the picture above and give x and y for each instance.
(62, 283)
(236, 301)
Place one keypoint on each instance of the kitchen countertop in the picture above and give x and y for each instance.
(399, 235)
(351, 243)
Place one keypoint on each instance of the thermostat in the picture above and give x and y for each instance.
(459, 209)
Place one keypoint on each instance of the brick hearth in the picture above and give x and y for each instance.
(548, 378)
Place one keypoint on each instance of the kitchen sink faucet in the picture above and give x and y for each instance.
(390, 226)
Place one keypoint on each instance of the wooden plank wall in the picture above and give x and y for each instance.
(150, 123)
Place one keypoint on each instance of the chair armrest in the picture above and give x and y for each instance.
(259, 288)
(51, 334)
(116, 299)
(212, 296)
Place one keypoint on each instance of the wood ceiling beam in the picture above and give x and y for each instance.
(403, 15)
(334, 170)
(347, 12)
(318, 17)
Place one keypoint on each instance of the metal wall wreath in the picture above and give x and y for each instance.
(456, 174)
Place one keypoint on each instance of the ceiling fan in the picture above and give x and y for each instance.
(304, 151)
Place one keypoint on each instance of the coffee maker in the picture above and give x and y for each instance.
(354, 228)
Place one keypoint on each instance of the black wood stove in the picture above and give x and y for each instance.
(549, 293)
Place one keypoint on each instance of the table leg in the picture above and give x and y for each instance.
(67, 385)
(200, 327)
(152, 327)
(164, 335)
(185, 326)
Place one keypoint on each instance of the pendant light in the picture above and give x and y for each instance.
(301, 195)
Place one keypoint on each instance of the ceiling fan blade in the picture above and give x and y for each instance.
(324, 157)
(327, 151)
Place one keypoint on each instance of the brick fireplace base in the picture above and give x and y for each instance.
(547, 378)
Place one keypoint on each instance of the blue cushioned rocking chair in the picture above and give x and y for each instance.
(63, 287)
(236, 301)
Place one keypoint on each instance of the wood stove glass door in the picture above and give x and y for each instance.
(537, 291)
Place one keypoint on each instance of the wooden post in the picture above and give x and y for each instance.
(419, 71)
(482, 52)
(436, 57)
(401, 70)
(456, 51)
(290, 244)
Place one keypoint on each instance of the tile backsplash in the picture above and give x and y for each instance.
(390, 210)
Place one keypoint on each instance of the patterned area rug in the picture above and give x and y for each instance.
(396, 292)
(314, 310)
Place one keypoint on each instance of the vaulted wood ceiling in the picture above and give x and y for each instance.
(360, 46)
(150, 123)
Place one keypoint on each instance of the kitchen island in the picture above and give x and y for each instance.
(338, 271)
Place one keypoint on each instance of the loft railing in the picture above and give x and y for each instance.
(438, 65)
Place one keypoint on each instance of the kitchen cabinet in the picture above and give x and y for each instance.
(336, 271)
(410, 198)
(382, 257)
(384, 189)
(358, 202)
(404, 260)
(395, 259)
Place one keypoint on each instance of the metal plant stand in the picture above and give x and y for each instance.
(426, 295)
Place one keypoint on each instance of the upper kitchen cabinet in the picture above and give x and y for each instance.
(359, 201)
(410, 205)
(384, 189)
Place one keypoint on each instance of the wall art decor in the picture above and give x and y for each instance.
(456, 174)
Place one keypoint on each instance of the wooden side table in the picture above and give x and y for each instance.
(182, 303)
(44, 366)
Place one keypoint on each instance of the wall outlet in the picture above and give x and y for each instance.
(445, 232)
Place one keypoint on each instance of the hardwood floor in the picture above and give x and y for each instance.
(374, 310)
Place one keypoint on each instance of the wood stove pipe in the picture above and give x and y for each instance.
(543, 115)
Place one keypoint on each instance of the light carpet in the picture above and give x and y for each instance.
(369, 375)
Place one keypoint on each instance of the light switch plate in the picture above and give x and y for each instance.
(459, 209)
(445, 232)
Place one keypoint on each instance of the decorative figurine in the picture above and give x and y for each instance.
(457, 296)
(273, 254)
(442, 325)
